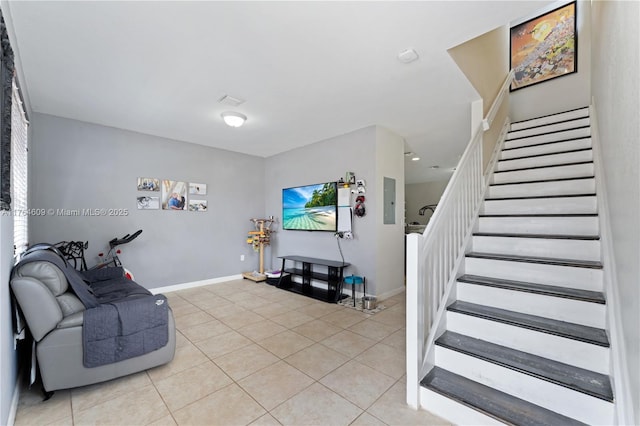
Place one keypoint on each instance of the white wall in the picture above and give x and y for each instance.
(325, 161)
(616, 95)
(78, 165)
(562, 93)
(390, 237)
(8, 365)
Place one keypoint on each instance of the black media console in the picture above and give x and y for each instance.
(332, 274)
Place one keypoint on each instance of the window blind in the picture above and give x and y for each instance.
(19, 168)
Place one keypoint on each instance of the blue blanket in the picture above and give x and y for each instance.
(124, 329)
(122, 319)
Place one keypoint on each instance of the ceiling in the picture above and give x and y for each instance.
(308, 71)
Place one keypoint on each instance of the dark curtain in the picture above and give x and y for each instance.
(6, 77)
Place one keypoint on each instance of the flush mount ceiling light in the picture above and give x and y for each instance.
(233, 119)
(415, 159)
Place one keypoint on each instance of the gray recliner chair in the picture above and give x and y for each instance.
(54, 316)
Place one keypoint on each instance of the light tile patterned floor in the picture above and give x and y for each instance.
(248, 353)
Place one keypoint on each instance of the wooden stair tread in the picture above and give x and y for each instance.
(549, 290)
(541, 215)
(583, 333)
(564, 179)
(586, 114)
(492, 402)
(578, 379)
(542, 167)
(534, 259)
(543, 143)
(545, 154)
(539, 236)
(544, 133)
(541, 196)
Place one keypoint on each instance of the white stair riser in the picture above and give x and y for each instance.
(563, 187)
(568, 351)
(564, 125)
(561, 205)
(561, 225)
(557, 308)
(569, 115)
(565, 401)
(558, 172)
(453, 411)
(546, 160)
(565, 276)
(546, 149)
(550, 137)
(538, 247)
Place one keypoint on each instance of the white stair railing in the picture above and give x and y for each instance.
(434, 257)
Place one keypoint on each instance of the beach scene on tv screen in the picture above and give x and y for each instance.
(310, 208)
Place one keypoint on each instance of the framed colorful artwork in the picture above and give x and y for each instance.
(545, 47)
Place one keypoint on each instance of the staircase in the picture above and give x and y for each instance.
(525, 340)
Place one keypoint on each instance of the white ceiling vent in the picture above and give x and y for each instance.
(230, 100)
(407, 55)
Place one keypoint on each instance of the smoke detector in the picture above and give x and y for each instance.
(408, 55)
(231, 101)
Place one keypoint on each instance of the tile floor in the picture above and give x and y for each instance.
(249, 353)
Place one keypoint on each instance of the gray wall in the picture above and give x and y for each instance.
(617, 99)
(77, 165)
(562, 93)
(376, 251)
(418, 195)
(390, 236)
(324, 161)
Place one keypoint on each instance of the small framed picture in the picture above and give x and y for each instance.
(197, 188)
(148, 184)
(197, 205)
(146, 202)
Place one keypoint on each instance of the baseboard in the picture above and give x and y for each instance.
(193, 284)
(15, 399)
(391, 293)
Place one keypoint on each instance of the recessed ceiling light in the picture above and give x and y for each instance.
(233, 119)
(415, 159)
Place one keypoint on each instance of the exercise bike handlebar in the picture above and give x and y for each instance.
(124, 240)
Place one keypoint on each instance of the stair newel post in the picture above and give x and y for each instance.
(415, 319)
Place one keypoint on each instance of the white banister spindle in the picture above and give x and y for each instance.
(433, 257)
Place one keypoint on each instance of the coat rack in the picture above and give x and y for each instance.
(259, 238)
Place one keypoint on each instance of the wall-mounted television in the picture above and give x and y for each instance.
(310, 207)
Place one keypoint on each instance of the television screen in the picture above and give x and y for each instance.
(310, 207)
